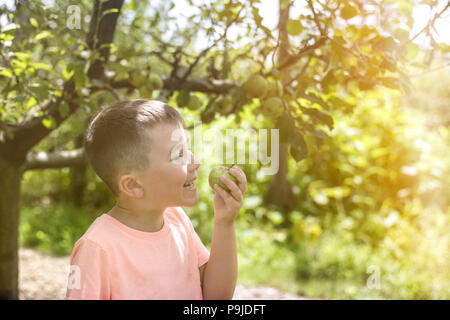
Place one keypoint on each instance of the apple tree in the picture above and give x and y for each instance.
(62, 62)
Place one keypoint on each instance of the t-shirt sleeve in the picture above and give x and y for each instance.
(202, 251)
(89, 275)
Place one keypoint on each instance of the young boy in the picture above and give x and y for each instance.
(145, 247)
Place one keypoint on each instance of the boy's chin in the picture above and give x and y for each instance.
(190, 202)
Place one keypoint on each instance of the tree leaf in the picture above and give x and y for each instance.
(49, 123)
(34, 22)
(299, 149)
(294, 27)
(68, 72)
(6, 73)
(313, 98)
(109, 11)
(319, 117)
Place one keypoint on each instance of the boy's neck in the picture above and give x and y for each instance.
(146, 221)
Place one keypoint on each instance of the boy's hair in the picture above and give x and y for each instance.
(117, 137)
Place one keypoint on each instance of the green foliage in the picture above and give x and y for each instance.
(53, 228)
(364, 172)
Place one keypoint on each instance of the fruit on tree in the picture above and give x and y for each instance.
(183, 98)
(156, 82)
(224, 105)
(214, 177)
(256, 87)
(272, 107)
(194, 103)
(138, 78)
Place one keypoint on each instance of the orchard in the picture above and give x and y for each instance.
(330, 75)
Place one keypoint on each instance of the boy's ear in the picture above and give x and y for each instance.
(129, 186)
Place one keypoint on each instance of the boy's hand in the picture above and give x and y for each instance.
(227, 205)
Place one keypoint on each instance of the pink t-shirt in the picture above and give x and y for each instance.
(114, 261)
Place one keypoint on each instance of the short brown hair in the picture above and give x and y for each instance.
(117, 137)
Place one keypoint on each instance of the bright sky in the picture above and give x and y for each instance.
(269, 12)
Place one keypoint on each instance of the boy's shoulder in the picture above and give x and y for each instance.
(98, 231)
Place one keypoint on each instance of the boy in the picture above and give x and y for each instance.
(145, 247)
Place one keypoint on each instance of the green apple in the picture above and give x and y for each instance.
(256, 86)
(225, 105)
(183, 98)
(194, 103)
(272, 107)
(156, 82)
(214, 177)
(138, 79)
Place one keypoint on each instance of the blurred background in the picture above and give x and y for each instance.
(359, 89)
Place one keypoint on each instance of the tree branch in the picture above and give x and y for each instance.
(217, 86)
(304, 51)
(54, 160)
(430, 23)
(29, 133)
(316, 18)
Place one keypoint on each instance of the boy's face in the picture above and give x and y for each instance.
(171, 167)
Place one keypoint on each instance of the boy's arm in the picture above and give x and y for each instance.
(220, 273)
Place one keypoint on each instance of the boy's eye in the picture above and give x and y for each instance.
(179, 152)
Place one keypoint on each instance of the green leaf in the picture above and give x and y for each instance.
(6, 73)
(109, 11)
(348, 10)
(34, 22)
(209, 112)
(31, 103)
(39, 90)
(42, 35)
(49, 123)
(23, 56)
(319, 117)
(68, 72)
(40, 65)
(329, 79)
(294, 27)
(63, 109)
(313, 98)
(284, 4)
(79, 75)
(299, 149)
(319, 134)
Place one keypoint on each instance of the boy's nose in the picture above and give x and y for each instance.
(195, 163)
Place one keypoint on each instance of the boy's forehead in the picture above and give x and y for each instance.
(165, 136)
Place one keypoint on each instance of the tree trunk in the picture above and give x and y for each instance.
(11, 175)
(280, 192)
(78, 177)
(13, 159)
